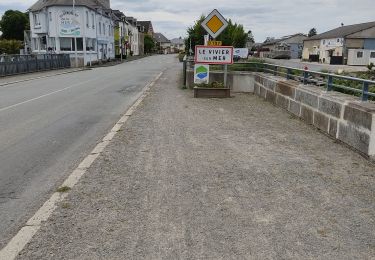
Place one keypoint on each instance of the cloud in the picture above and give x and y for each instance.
(264, 17)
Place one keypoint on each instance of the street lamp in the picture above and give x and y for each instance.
(75, 37)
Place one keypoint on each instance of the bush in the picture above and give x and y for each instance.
(215, 84)
(10, 46)
(181, 56)
(370, 66)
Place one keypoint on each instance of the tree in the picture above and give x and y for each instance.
(234, 35)
(13, 24)
(149, 44)
(312, 32)
(250, 37)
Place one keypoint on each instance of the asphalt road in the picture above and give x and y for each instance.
(47, 126)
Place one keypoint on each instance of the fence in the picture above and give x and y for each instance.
(363, 88)
(17, 64)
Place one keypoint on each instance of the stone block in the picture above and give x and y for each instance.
(294, 108)
(307, 114)
(285, 88)
(271, 97)
(269, 84)
(330, 107)
(262, 92)
(307, 98)
(360, 114)
(256, 89)
(321, 121)
(332, 127)
(242, 82)
(354, 137)
(282, 101)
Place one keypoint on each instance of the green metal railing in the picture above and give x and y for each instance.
(363, 88)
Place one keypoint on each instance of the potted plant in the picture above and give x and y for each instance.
(213, 90)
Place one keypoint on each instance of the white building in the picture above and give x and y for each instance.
(133, 35)
(55, 28)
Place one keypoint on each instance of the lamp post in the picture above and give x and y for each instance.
(75, 38)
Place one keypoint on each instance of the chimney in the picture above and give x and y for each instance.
(105, 3)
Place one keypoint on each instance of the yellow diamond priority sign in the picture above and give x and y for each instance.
(215, 24)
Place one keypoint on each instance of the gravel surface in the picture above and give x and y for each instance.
(215, 179)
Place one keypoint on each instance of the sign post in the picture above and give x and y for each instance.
(215, 24)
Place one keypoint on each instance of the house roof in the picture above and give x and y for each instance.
(146, 24)
(282, 39)
(343, 31)
(178, 41)
(160, 38)
(40, 4)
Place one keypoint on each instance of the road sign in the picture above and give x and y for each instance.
(213, 54)
(215, 23)
(201, 74)
(214, 43)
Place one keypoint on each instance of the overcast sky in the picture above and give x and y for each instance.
(265, 18)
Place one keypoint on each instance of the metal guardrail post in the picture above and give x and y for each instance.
(305, 75)
(365, 91)
(330, 83)
(184, 68)
(288, 73)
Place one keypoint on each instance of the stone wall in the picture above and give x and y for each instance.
(342, 116)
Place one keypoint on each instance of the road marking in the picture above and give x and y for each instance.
(45, 95)
(24, 236)
(6, 84)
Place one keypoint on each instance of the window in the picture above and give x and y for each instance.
(103, 29)
(66, 44)
(338, 40)
(360, 54)
(100, 28)
(79, 44)
(87, 19)
(372, 55)
(50, 16)
(90, 44)
(36, 20)
(93, 20)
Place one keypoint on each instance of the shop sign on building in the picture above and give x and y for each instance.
(69, 23)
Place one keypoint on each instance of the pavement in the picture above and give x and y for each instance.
(314, 66)
(49, 124)
(234, 178)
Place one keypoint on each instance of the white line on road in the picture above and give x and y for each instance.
(24, 236)
(45, 95)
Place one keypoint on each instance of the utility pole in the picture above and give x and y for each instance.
(75, 37)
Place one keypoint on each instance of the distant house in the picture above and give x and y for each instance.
(163, 45)
(146, 27)
(133, 39)
(178, 44)
(121, 33)
(287, 47)
(351, 44)
(55, 28)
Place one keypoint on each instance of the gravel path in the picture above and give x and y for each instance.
(215, 179)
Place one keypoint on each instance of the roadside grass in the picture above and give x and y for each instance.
(66, 205)
(63, 189)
